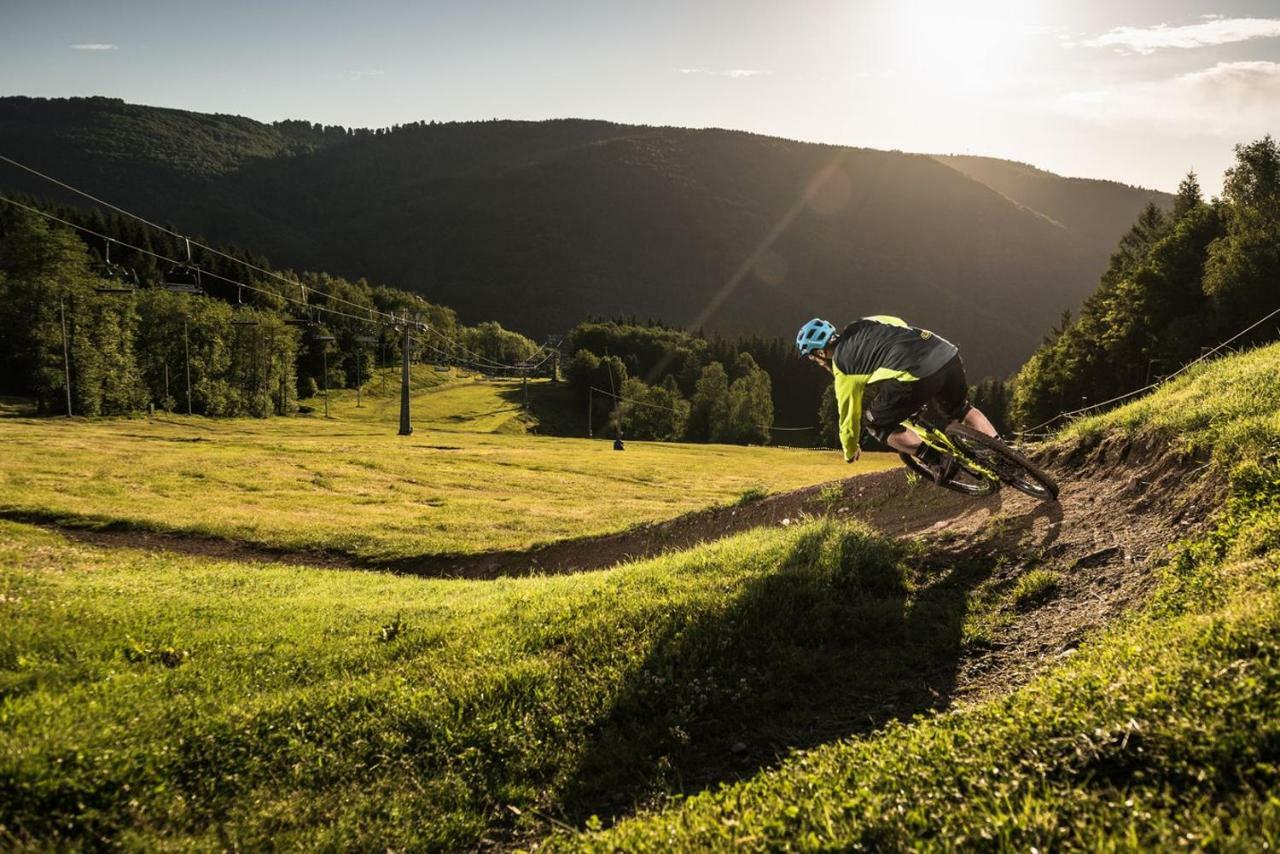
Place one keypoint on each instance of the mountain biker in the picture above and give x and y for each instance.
(904, 368)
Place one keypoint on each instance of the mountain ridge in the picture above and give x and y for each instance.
(539, 224)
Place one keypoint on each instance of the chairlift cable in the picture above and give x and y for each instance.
(160, 257)
(388, 318)
(188, 241)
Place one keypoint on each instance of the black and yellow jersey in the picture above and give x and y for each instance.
(875, 349)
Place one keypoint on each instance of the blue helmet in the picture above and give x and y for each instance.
(814, 335)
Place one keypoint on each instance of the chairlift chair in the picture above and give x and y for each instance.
(184, 278)
(124, 280)
(241, 318)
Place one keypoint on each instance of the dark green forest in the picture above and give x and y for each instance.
(676, 385)
(539, 224)
(1179, 282)
(254, 345)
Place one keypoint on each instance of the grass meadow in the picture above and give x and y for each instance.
(468, 480)
(156, 701)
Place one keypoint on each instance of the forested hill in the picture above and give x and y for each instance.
(1096, 212)
(539, 224)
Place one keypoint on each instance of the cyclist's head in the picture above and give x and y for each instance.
(814, 336)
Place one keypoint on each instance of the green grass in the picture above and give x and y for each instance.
(462, 483)
(153, 700)
(1227, 406)
(1034, 588)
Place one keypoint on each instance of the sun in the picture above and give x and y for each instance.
(973, 45)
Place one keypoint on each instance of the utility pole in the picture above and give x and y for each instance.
(66, 351)
(167, 407)
(590, 400)
(362, 339)
(324, 338)
(406, 429)
(525, 373)
(186, 348)
(324, 358)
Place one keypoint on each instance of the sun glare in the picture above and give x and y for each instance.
(963, 45)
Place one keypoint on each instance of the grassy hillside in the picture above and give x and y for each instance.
(540, 224)
(1160, 733)
(468, 480)
(150, 700)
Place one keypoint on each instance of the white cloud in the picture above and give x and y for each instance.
(733, 73)
(1229, 99)
(95, 46)
(1213, 30)
(364, 73)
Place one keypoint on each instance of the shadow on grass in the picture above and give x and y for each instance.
(554, 406)
(851, 631)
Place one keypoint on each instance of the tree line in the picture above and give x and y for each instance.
(1180, 282)
(654, 382)
(126, 342)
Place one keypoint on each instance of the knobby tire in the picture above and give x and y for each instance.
(1012, 467)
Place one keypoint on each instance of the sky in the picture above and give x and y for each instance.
(1138, 91)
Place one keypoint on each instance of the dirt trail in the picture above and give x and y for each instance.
(1090, 515)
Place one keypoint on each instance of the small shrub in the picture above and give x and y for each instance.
(1034, 588)
(751, 495)
(831, 495)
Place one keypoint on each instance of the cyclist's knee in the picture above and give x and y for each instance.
(881, 432)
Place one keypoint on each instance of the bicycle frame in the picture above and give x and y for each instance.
(936, 439)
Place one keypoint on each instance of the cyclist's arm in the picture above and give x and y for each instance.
(849, 390)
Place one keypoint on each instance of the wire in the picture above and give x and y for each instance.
(172, 233)
(388, 317)
(308, 307)
(203, 272)
(1032, 431)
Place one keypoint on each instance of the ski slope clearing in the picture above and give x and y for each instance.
(348, 490)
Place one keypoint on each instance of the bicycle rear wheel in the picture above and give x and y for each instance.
(965, 481)
(1012, 467)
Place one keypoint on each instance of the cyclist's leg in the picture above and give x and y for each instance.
(892, 403)
(953, 398)
(975, 419)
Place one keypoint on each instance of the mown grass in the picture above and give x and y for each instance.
(461, 483)
(161, 701)
(1160, 734)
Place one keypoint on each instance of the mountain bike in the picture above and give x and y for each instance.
(983, 462)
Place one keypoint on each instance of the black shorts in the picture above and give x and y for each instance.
(895, 401)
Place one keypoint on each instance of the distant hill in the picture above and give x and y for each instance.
(539, 224)
(1096, 212)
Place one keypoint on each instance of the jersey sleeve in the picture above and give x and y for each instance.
(849, 389)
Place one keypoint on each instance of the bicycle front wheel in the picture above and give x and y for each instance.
(1009, 465)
